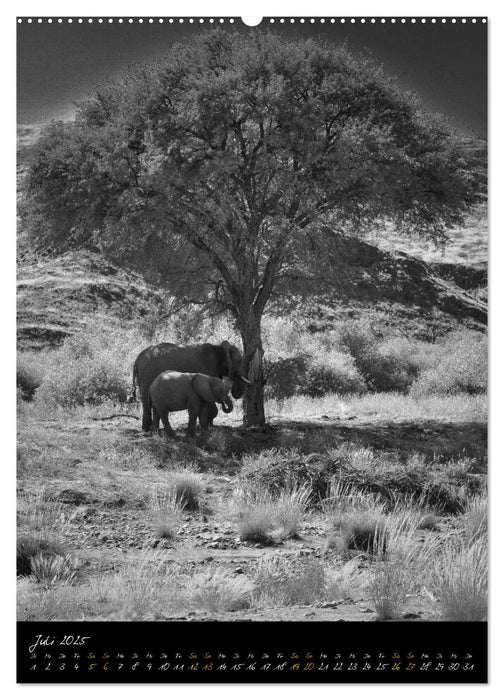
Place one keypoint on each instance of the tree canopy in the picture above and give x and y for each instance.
(223, 159)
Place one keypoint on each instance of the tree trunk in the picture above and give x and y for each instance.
(253, 400)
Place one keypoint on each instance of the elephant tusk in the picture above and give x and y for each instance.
(245, 380)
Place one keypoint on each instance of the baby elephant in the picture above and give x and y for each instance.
(196, 393)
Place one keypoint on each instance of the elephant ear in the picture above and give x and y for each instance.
(231, 371)
(202, 385)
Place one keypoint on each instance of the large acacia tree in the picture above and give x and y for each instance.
(225, 158)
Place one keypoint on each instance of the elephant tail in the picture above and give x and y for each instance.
(133, 395)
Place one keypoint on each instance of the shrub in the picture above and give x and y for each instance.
(284, 376)
(277, 471)
(29, 375)
(461, 366)
(83, 381)
(312, 375)
(383, 475)
(92, 366)
(385, 367)
(332, 374)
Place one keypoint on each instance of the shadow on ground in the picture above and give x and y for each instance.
(432, 438)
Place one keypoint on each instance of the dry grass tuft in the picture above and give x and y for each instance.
(218, 591)
(188, 489)
(36, 546)
(264, 517)
(279, 581)
(460, 579)
(388, 585)
(476, 518)
(167, 509)
(50, 569)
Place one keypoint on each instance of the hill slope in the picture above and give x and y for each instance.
(59, 295)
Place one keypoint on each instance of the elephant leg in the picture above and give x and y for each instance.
(146, 409)
(155, 421)
(211, 413)
(194, 409)
(168, 430)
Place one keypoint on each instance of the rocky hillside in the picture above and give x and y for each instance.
(395, 283)
(59, 295)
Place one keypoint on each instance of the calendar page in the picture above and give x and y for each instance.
(252, 349)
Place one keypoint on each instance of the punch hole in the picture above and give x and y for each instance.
(252, 21)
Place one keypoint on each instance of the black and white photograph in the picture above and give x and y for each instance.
(252, 327)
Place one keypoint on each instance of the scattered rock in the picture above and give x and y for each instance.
(330, 604)
(238, 570)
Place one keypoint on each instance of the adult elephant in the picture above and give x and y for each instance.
(224, 360)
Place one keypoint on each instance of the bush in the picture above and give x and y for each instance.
(29, 375)
(333, 374)
(436, 485)
(84, 382)
(90, 367)
(314, 376)
(284, 376)
(461, 365)
(385, 367)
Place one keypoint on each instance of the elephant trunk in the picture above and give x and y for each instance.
(227, 406)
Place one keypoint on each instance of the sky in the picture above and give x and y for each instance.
(58, 64)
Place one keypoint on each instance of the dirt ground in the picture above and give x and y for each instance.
(107, 523)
